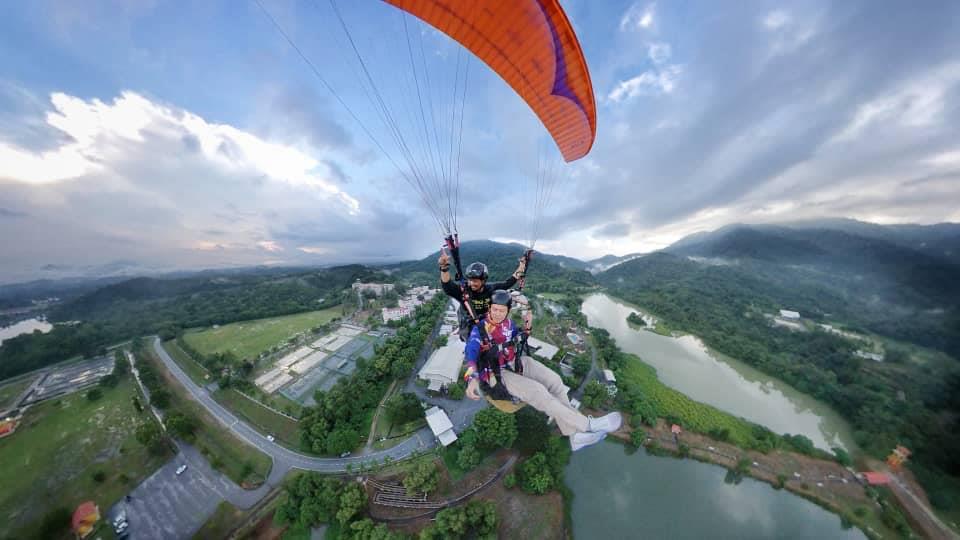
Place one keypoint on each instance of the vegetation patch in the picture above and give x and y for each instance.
(265, 420)
(70, 450)
(247, 339)
(239, 461)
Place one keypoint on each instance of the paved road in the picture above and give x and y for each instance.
(283, 458)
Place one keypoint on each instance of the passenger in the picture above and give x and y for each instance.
(493, 365)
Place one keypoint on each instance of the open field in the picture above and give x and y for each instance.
(10, 391)
(248, 339)
(239, 461)
(195, 371)
(265, 420)
(53, 456)
(694, 415)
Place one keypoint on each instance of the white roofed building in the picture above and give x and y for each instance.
(441, 426)
(443, 366)
(787, 314)
(377, 288)
(542, 348)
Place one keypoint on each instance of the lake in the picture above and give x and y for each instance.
(24, 327)
(685, 364)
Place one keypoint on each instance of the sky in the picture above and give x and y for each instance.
(154, 135)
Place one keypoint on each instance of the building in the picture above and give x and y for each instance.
(542, 349)
(377, 288)
(396, 314)
(443, 366)
(441, 426)
(790, 315)
(608, 377)
(876, 478)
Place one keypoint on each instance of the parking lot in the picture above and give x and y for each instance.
(69, 378)
(167, 505)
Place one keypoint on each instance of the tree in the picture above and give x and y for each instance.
(595, 395)
(54, 524)
(94, 394)
(535, 474)
(452, 522)
(403, 408)
(422, 479)
(353, 500)
(842, 456)
(509, 481)
(468, 457)
(160, 398)
(181, 425)
(581, 366)
(149, 435)
(495, 429)
(342, 440)
(99, 477)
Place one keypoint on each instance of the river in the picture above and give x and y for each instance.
(728, 384)
(24, 327)
(639, 496)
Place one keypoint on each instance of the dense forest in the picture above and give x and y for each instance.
(889, 403)
(144, 306)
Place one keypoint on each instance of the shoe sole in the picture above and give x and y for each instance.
(574, 448)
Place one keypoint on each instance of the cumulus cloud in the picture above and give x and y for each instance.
(650, 83)
(138, 179)
(638, 17)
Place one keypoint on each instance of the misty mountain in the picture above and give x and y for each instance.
(607, 261)
(502, 259)
(877, 262)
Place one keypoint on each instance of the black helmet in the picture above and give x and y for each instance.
(502, 298)
(477, 270)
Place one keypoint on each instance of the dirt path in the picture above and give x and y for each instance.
(376, 415)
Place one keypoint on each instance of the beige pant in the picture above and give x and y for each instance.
(543, 389)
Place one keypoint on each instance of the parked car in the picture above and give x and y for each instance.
(345, 454)
(270, 438)
(181, 468)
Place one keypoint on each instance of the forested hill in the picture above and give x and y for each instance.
(905, 272)
(547, 272)
(903, 400)
(141, 305)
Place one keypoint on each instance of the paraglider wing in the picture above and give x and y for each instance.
(532, 46)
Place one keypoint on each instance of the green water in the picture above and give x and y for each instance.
(617, 495)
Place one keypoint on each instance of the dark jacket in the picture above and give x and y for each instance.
(480, 300)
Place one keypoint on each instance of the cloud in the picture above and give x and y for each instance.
(650, 83)
(776, 19)
(613, 230)
(659, 52)
(637, 17)
(141, 180)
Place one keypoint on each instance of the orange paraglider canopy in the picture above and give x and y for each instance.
(532, 46)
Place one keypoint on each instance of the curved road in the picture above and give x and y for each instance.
(283, 458)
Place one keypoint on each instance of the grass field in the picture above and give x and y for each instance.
(10, 391)
(265, 420)
(195, 371)
(238, 460)
(51, 459)
(248, 339)
(694, 415)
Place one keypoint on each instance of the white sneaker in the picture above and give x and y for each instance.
(606, 424)
(581, 440)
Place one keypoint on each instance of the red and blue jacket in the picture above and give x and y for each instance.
(502, 338)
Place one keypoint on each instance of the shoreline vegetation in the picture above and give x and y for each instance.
(713, 436)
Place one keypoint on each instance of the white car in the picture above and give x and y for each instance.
(270, 438)
(181, 468)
